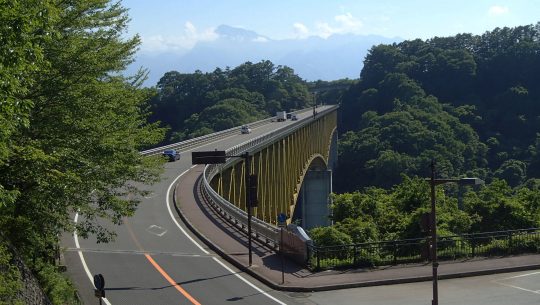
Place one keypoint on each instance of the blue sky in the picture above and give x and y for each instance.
(177, 25)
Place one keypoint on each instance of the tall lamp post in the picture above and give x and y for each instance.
(433, 223)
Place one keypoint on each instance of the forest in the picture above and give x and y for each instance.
(470, 103)
(195, 104)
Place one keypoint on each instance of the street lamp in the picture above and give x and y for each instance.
(433, 182)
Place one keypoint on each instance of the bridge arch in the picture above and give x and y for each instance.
(280, 162)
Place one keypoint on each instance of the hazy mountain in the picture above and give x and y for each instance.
(313, 58)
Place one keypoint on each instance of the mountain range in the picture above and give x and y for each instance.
(336, 57)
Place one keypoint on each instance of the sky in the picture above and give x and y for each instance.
(177, 25)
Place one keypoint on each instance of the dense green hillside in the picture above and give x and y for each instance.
(472, 103)
(200, 103)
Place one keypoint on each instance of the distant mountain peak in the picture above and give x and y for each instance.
(238, 34)
(339, 56)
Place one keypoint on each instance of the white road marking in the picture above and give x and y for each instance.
(81, 256)
(156, 230)
(172, 215)
(206, 252)
(91, 278)
(521, 275)
(517, 287)
(137, 252)
(520, 288)
(248, 282)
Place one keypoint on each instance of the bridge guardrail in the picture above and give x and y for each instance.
(188, 144)
(263, 231)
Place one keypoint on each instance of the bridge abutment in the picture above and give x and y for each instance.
(315, 199)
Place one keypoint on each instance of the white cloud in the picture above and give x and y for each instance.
(348, 22)
(324, 30)
(175, 43)
(260, 39)
(344, 24)
(498, 10)
(300, 30)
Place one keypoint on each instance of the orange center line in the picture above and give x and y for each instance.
(171, 281)
(159, 269)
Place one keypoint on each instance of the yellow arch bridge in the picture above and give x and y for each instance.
(293, 166)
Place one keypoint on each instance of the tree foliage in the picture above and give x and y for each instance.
(469, 102)
(192, 104)
(71, 126)
(377, 214)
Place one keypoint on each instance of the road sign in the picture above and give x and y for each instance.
(208, 157)
(99, 281)
(282, 220)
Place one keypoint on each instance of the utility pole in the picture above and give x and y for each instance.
(435, 263)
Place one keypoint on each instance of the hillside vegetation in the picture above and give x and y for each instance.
(472, 103)
(194, 104)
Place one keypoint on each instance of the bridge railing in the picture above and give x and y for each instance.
(263, 231)
(191, 143)
(188, 144)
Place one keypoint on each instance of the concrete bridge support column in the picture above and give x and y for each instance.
(315, 198)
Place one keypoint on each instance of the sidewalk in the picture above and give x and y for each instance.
(231, 244)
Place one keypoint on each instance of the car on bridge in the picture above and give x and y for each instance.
(171, 154)
(245, 129)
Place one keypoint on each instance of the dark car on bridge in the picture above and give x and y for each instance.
(171, 154)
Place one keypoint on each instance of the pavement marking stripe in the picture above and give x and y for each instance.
(137, 252)
(171, 281)
(521, 275)
(248, 282)
(206, 252)
(520, 288)
(83, 261)
(517, 287)
(172, 216)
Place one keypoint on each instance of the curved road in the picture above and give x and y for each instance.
(154, 260)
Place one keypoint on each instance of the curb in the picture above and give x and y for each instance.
(220, 251)
(284, 287)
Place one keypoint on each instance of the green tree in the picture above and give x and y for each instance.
(498, 208)
(359, 230)
(184, 101)
(10, 277)
(226, 114)
(329, 236)
(79, 150)
(512, 171)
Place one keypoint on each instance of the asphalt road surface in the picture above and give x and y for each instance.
(518, 288)
(156, 261)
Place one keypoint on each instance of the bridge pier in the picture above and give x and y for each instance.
(314, 201)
